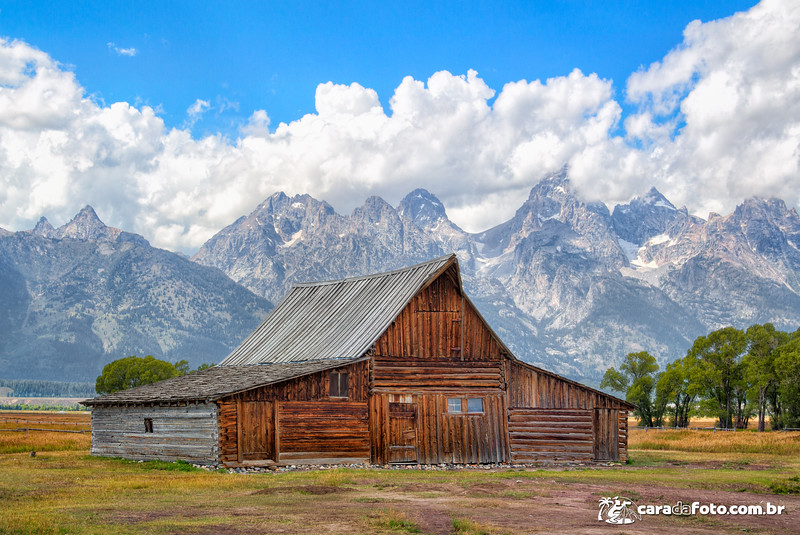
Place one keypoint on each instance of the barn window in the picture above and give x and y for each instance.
(148, 425)
(475, 405)
(464, 405)
(338, 384)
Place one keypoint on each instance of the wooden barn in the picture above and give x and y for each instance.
(397, 367)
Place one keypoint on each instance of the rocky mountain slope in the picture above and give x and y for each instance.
(567, 284)
(76, 297)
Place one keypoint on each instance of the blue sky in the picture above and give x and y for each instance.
(243, 56)
(172, 119)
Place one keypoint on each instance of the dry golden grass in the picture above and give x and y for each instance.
(771, 442)
(20, 441)
(12, 440)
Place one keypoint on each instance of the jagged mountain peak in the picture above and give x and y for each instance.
(422, 207)
(4, 232)
(44, 228)
(86, 225)
(655, 199)
(374, 209)
(646, 217)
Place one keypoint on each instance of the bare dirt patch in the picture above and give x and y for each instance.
(316, 490)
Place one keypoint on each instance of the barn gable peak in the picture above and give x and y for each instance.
(339, 319)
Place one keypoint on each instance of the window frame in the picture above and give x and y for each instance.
(463, 406)
(148, 425)
(342, 381)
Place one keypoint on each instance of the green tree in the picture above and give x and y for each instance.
(786, 406)
(718, 371)
(759, 366)
(133, 371)
(637, 378)
(675, 385)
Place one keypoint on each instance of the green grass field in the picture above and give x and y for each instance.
(67, 491)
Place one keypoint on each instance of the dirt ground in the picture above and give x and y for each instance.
(513, 505)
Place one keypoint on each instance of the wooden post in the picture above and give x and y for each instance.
(277, 433)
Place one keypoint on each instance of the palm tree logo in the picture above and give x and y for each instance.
(618, 511)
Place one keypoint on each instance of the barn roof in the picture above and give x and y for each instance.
(213, 383)
(338, 319)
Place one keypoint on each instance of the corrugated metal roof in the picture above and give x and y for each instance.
(214, 383)
(334, 319)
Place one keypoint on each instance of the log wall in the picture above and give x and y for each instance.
(552, 418)
(307, 425)
(323, 431)
(186, 432)
(440, 374)
(550, 435)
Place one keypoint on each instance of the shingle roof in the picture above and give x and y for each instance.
(214, 383)
(335, 319)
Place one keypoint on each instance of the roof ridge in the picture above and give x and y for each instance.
(376, 275)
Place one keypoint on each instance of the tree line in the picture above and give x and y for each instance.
(731, 374)
(32, 388)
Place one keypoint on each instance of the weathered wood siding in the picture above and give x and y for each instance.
(439, 374)
(186, 432)
(530, 388)
(323, 431)
(305, 423)
(552, 418)
(550, 434)
(437, 347)
(439, 323)
(438, 436)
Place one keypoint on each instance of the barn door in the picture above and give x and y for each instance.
(606, 435)
(256, 429)
(402, 432)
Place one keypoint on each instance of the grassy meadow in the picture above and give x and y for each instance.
(64, 490)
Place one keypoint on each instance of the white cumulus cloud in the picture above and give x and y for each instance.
(716, 120)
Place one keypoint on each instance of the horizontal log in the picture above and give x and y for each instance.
(519, 458)
(552, 436)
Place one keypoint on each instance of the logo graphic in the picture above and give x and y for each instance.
(618, 511)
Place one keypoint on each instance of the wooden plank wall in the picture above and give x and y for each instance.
(528, 388)
(550, 435)
(313, 386)
(308, 388)
(186, 432)
(439, 323)
(444, 437)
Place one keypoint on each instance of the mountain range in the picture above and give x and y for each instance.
(567, 284)
(74, 298)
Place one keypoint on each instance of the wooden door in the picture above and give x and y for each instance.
(256, 431)
(606, 434)
(402, 432)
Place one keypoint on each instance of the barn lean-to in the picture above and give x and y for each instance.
(397, 367)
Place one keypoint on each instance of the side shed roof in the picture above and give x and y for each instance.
(214, 383)
(338, 319)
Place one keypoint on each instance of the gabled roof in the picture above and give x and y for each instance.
(213, 383)
(338, 319)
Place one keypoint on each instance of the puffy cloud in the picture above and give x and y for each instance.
(724, 109)
(716, 120)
